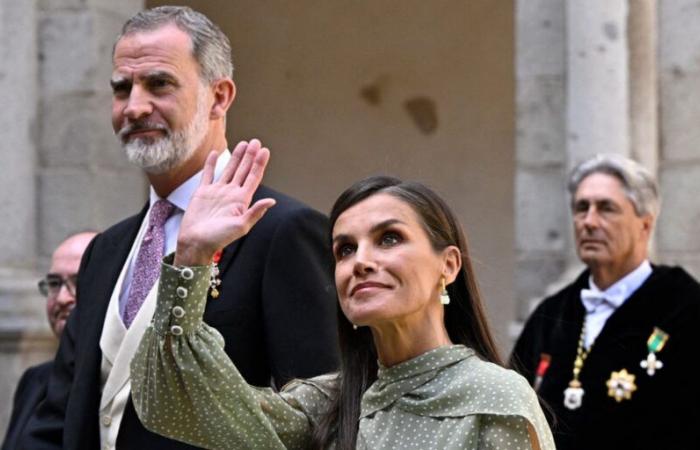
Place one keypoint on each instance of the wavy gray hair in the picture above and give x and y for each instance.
(638, 183)
(210, 46)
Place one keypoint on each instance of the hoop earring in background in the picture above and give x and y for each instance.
(444, 296)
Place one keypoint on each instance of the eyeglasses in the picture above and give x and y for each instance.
(51, 285)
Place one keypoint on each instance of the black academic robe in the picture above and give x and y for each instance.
(276, 312)
(31, 389)
(664, 411)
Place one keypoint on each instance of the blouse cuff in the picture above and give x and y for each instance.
(182, 297)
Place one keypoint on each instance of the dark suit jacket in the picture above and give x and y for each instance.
(31, 389)
(664, 411)
(276, 312)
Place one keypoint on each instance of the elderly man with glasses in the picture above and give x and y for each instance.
(58, 286)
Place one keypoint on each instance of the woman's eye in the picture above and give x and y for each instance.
(344, 250)
(390, 239)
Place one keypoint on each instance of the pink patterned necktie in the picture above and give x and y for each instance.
(147, 268)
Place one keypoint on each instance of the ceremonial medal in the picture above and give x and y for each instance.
(621, 385)
(655, 343)
(214, 280)
(573, 395)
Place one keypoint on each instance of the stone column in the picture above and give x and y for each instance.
(21, 307)
(62, 168)
(540, 210)
(678, 230)
(585, 84)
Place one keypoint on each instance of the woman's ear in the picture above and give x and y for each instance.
(452, 263)
(224, 91)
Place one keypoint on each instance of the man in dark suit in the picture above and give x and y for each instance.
(275, 306)
(613, 354)
(58, 286)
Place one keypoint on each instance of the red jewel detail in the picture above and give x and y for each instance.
(217, 256)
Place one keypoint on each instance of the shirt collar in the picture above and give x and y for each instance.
(182, 195)
(623, 289)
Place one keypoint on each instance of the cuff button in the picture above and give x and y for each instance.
(187, 273)
(178, 312)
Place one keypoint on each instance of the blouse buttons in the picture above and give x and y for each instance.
(187, 273)
(178, 311)
(176, 330)
(181, 292)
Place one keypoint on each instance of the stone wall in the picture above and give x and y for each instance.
(62, 168)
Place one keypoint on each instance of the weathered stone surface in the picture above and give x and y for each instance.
(121, 193)
(679, 35)
(18, 97)
(679, 222)
(680, 110)
(77, 132)
(70, 58)
(533, 273)
(540, 38)
(598, 118)
(74, 199)
(540, 121)
(541, 211)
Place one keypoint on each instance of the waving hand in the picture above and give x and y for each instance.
(220, 211)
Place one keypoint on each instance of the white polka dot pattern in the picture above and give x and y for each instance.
(186, 388)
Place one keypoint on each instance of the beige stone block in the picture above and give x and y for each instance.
(76, 132)
(680, 113)
(74, 199)
(534, 271)
(541, 210)
(67, 43)
(540, 37)
(540, 137)
(679, 35)
(678, 225)
(119, 194)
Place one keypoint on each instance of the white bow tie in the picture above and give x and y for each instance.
(593, 299)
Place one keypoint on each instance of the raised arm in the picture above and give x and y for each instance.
(184, 386)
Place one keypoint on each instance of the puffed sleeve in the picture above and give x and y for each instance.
(185, 387)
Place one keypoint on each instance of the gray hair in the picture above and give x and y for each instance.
(639, 185)
(210, 46)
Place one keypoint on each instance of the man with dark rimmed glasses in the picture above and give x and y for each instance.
(58, 286)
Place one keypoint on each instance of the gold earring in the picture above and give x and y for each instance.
(444, 296)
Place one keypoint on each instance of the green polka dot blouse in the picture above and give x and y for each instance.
(185, 387)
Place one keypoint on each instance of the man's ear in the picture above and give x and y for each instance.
(648, 224)
(452, 263)
(224, 91)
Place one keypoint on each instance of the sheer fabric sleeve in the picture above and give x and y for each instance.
(185, 387)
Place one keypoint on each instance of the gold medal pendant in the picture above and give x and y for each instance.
(573, 395)
(621, 385)
(655, 343)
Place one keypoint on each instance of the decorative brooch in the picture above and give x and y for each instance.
(214, 280)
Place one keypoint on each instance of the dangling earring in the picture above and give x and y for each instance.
(444, 296)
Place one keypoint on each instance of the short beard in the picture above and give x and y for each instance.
(160, 155)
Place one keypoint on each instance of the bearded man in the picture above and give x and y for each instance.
(172, 87)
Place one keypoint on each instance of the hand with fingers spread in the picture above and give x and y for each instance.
(220, 211)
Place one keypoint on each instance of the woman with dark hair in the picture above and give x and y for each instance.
(419, 368)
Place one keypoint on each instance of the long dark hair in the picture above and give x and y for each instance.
(465, 319)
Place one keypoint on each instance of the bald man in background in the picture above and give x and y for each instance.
(58, 286)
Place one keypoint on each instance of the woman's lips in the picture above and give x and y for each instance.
(367, 285)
